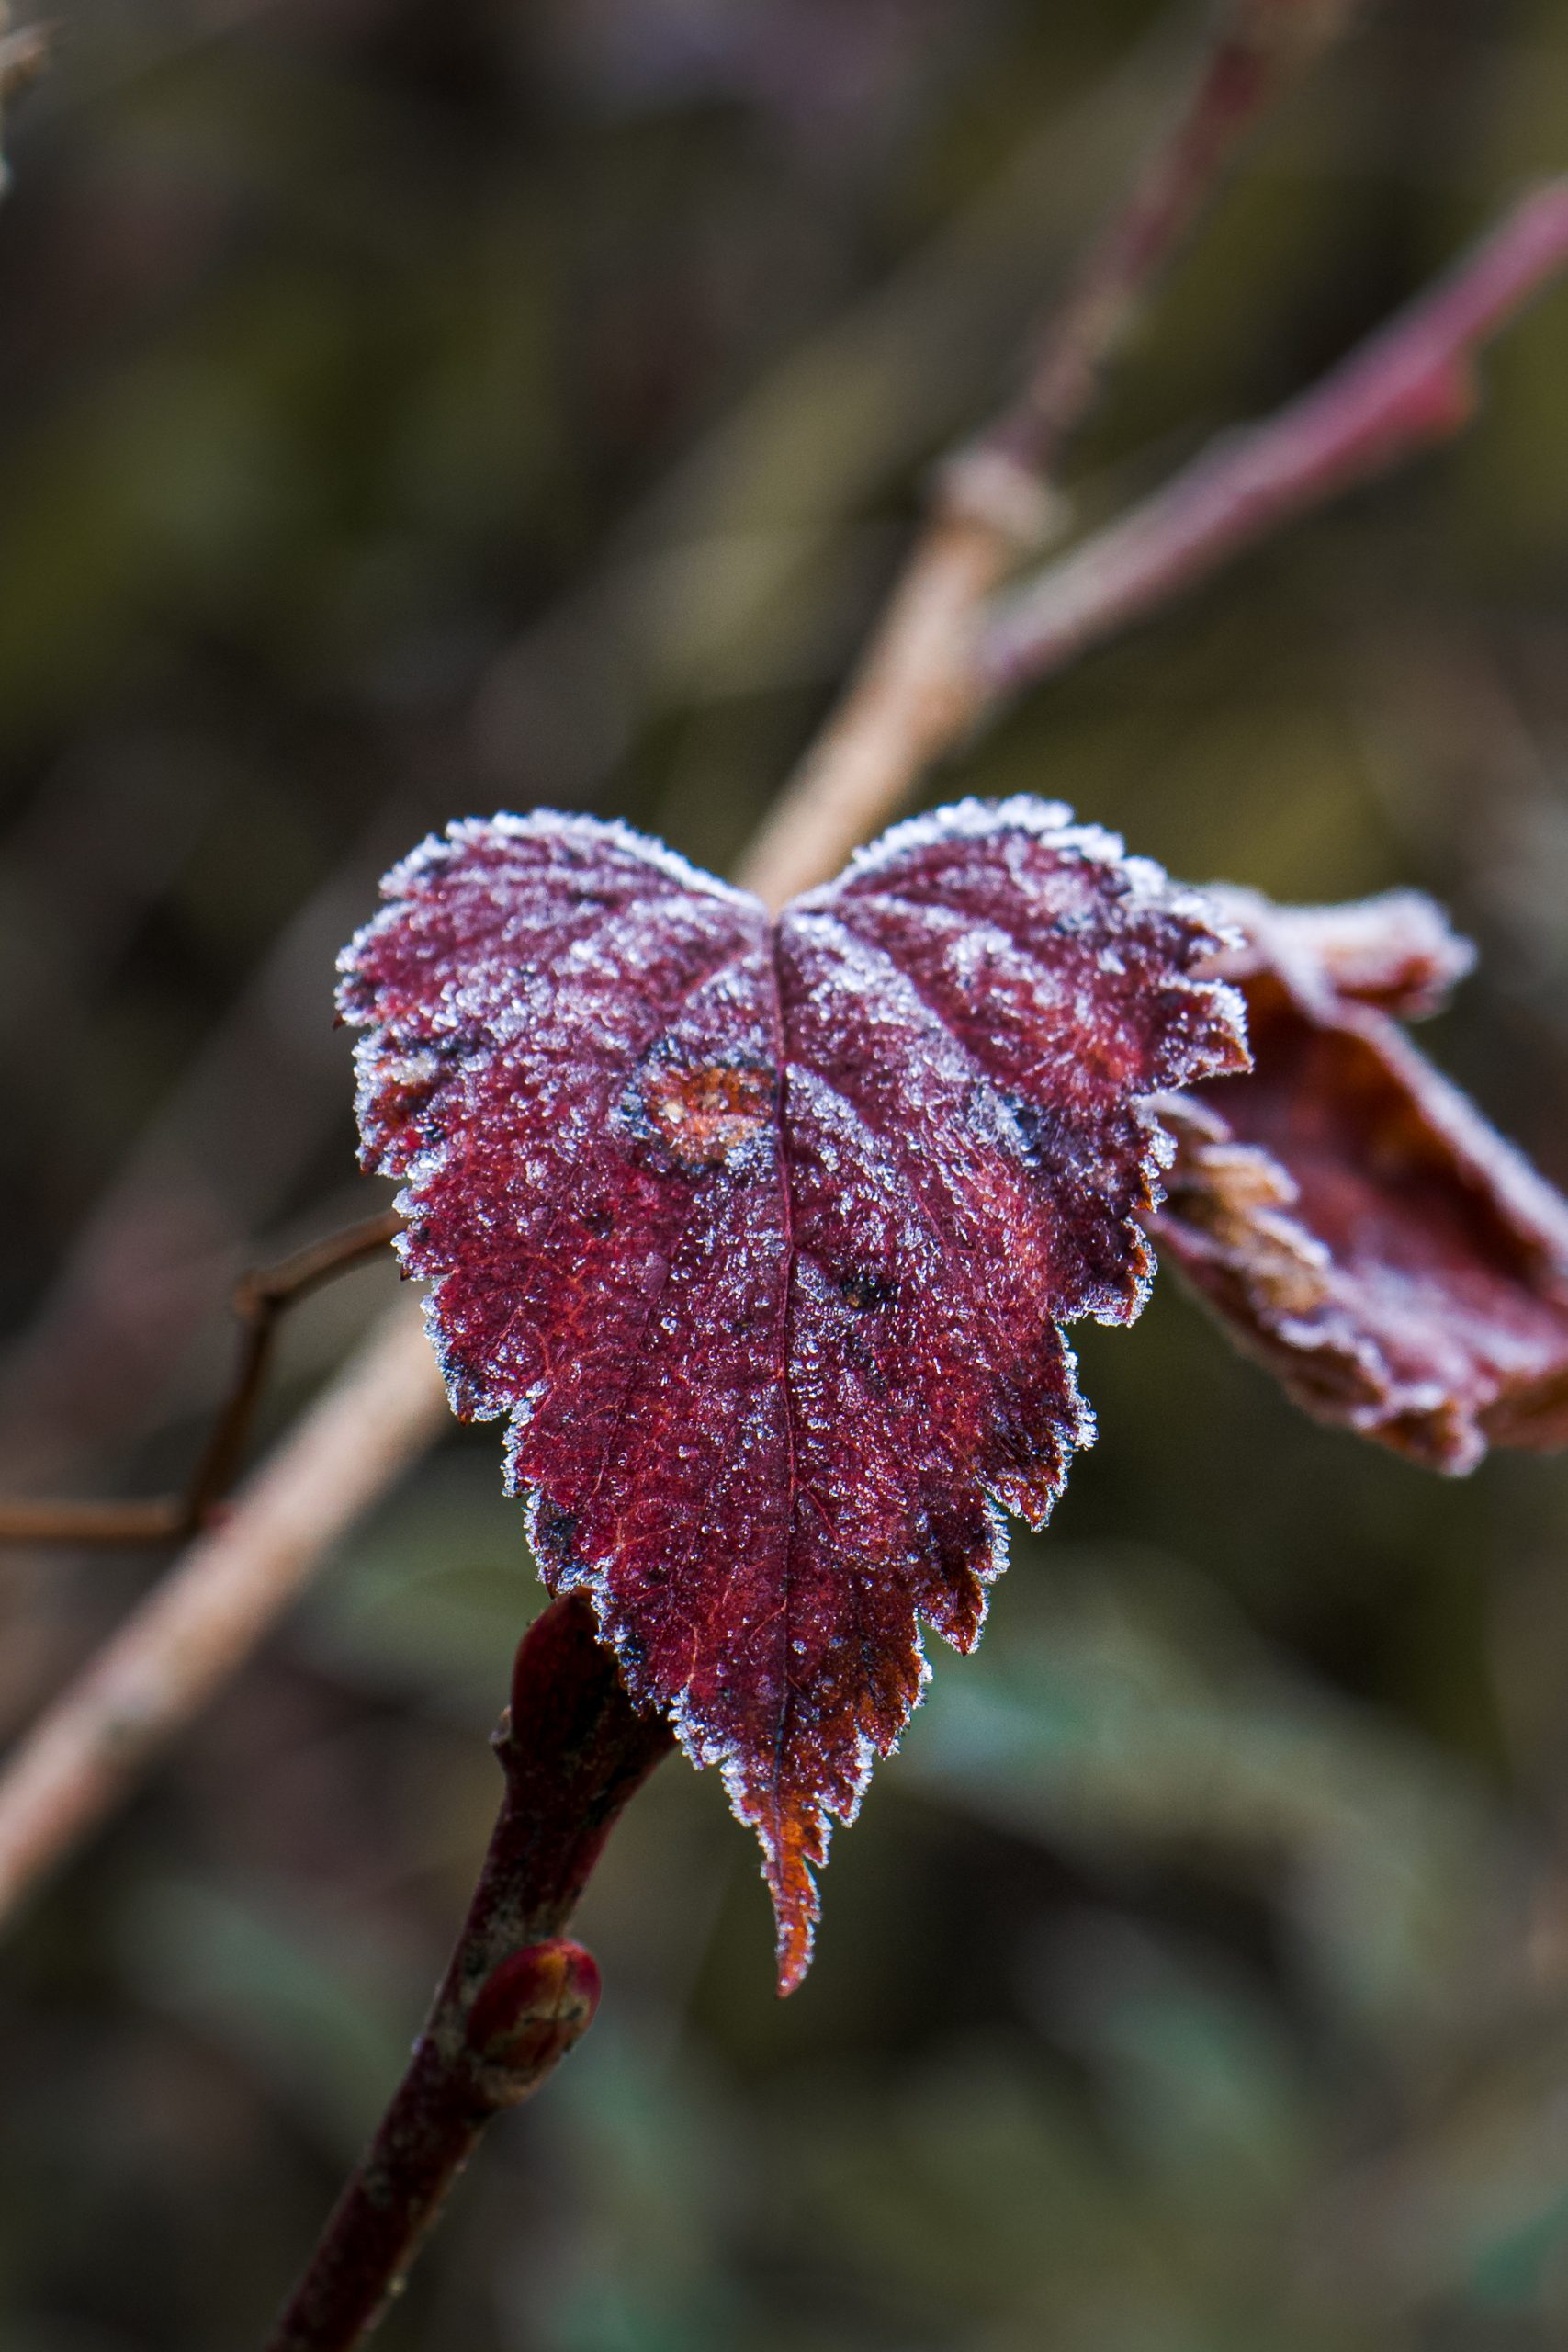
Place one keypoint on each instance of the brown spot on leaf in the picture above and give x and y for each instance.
(702, 1114)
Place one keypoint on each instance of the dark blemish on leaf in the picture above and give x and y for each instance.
(1042, 1136)
(414, 1078)
(865, 1293)
(598, 1220)
(407, 1093)
(555, 1532)
(466, 1042)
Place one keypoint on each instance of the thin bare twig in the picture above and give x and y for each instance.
(91, 1746)
(913, 695)
(1408, 386)
(1259, 47)
(260, 1299)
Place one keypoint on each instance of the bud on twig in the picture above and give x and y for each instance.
(527, 2015)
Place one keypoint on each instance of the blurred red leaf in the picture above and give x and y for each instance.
(762, 1232)
(1349, 1216)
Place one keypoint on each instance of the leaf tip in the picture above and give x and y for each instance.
(796, 1907)
(793, 1834)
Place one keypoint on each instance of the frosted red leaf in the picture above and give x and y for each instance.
(1350, 1216)
(761, 1231)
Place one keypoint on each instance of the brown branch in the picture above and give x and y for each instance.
(89, 1749)
(259, 1301)
(155, 1519)
(913, 695)
(1410, 385)
(24, 53)
(1259, 48)
(513, 1998)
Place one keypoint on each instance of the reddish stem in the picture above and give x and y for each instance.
(913, 694)
(1409, 385)
(1259, 50)
(514, 1998)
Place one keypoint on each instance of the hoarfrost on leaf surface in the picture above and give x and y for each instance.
(1349, 1216)
(761, 1233)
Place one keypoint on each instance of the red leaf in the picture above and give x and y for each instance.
(1349, 1214)
(761, 1232)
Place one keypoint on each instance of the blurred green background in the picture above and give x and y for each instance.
(413, 407)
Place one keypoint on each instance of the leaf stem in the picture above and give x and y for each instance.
(515, 1996)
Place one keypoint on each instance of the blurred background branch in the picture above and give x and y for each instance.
(912, 694)
(208, 1612)
(260, 1298)
(24, 49)
(1410, 385)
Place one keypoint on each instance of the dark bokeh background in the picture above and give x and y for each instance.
(410, 407)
